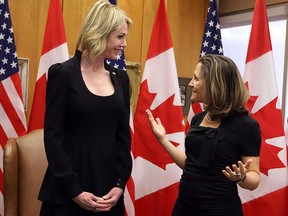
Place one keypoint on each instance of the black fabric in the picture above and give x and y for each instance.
(48, 209)
(203, 189)
(87, 137)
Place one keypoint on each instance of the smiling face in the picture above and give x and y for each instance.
(116, 42)
(198, 85)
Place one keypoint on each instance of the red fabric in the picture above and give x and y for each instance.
(54, 50)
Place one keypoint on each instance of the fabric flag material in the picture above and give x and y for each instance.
(12, 116)
(211, 44)
(156, 176)
(120, 63)
(54, 50)
(270, 198)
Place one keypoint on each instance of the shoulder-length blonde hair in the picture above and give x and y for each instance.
(102, 19)
(225, 88)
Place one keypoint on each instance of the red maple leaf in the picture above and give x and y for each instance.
(145, 144)
(270, 121)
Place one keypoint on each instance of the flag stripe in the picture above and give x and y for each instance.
(55, 55)
(39, 105)
(163, 43)
(9, 94)
(268, 205)
(54, 50)
(11, 119)
(3, 135)
(257, 32)
(55, 31)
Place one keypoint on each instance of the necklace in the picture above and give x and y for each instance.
(210, 120)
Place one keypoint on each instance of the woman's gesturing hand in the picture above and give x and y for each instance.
(156, 126)
(239, 172)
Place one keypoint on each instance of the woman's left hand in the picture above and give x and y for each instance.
(110, 199)
(239, 172)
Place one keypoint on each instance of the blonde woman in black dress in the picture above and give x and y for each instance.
(86, 133)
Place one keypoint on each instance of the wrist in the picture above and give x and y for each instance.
(241, 181)
(162, 139)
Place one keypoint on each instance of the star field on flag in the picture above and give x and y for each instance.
(212, 41)
(8, 54)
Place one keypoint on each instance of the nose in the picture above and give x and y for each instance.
(124, 43)
(191, 83)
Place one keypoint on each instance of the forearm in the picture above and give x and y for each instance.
(177, 155)
(251, 181)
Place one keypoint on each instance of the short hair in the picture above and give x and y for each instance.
(102, 19)
(225, 88)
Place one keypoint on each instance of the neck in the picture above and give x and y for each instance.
(210, 120)
(96, 64)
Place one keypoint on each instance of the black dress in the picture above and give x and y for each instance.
(203, 189)
(87, 139)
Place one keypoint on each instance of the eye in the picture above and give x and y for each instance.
(121, 36)
(195, 78)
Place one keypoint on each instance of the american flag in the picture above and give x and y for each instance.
(211, 44)
(12, 116)
(212, 41)
(119, 63)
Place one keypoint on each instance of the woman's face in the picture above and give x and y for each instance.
(116, 42)
(198, 85)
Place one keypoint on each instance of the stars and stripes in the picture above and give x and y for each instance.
(12, 116)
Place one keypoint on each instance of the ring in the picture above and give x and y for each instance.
(237, 174)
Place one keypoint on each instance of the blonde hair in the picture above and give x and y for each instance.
(225, 88)
(102, 19)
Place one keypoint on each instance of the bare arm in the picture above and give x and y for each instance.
(159, 132)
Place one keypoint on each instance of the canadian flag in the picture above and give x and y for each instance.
(54, 50)
(271, 197)
(156, 177)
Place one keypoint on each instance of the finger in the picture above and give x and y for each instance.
(236, 171)
(158, 121)
(232, 175)
(229, 171)
(241, 167)
(226, 173)
(150, 116)
(149, 113)
(102, 205)
(248, 163)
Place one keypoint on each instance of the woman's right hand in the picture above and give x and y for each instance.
(156, 126)
(88, 201)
